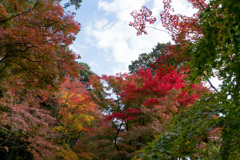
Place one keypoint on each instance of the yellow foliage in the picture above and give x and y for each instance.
(76, 111)
(67, 154)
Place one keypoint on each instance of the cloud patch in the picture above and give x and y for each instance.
(118, 40)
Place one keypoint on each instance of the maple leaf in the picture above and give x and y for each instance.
(140, 18)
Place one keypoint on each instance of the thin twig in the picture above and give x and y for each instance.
(159, 30)
(7, 138)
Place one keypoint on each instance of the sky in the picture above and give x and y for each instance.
(107, 43)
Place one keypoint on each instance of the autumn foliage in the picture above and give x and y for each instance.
(202, 48)
(137, 106)
(49, 112)
(34, 40)
(34, 60)
(52, 107)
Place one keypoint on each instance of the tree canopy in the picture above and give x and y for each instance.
(207, 44)
(146, 60)
(53, 107)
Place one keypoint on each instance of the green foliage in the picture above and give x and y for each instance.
(146, 60)
(218, 51)
(192, 133)
(198, 133)
(210, 129)
(85, 73)
(76, 3)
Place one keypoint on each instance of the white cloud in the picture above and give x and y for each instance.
(119, 39)
(117, 6)
(183, 7)
(102, 24)
(78, 49)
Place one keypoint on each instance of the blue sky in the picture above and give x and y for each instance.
(107, 43)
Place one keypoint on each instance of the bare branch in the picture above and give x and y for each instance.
(159, 30)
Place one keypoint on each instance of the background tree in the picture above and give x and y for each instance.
(85, 73)
(146, 60)
(76, 3)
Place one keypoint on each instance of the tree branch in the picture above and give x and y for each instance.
(3, 21)
(9, 134)
(201, 4)
(159, 30)
(115, 137)
(33, 73)
(211, 84)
